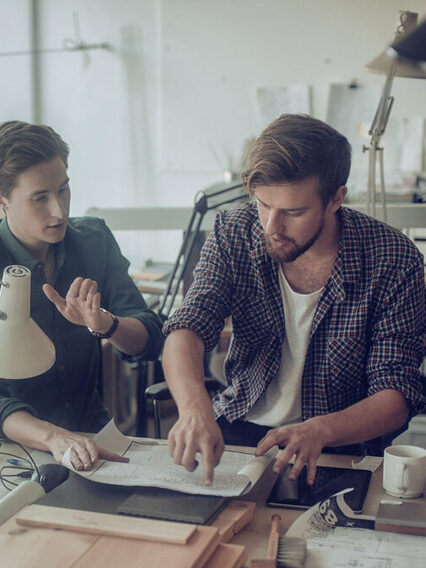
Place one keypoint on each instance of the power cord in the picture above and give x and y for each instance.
(21, 467)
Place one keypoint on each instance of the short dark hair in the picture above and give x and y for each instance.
(23, 145)
(295, 147)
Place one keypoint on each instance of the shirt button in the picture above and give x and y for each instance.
(67, 405)
(62, 368)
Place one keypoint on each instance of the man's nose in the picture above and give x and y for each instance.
(274, 223)
(57, 208)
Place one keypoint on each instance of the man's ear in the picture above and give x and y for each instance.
(3, 203)
(336, 201)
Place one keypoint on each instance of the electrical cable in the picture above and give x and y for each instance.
(28, 468)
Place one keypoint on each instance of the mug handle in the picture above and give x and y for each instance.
(400, 468)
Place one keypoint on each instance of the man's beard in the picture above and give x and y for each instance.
(295, 251)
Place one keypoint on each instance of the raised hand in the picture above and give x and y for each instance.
(81, 304)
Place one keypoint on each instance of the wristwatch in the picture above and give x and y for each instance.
(111, 330)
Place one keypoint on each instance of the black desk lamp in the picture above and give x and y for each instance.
(214, 197)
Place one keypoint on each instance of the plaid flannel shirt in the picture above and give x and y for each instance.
(366, 334)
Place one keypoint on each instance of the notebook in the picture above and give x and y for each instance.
(153, 502)
(172, 505)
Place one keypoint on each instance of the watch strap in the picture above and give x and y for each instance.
(111, 330)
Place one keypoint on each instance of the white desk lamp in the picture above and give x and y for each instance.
(25, 350)
(402, 59)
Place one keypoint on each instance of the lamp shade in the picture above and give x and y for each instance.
(406, 52)
(25, 350)
(411, 48)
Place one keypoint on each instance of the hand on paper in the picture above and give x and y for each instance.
(84, 452)
(305, 441)
(81, 304)
(194, 433)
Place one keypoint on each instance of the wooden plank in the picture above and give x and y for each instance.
(22, 547)
(234, 517)
(228, 556)
(110, 552)
(105, 524)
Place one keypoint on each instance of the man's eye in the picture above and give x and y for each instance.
(41, 198)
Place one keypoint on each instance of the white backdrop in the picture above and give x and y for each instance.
(169, 106)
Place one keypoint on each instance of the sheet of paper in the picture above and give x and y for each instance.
(412, 148)
(273, 101)
(151, 465)
(364, 548)
(351, 110)
(368, 462)
(336, 537)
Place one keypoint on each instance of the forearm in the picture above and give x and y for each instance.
(184, 371)
(379, 414)
(131, 336)
(196, 429)
(22, 427)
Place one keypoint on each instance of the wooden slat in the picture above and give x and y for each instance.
(234, 517)
(228, 556)
(105, 524)
(110, 552)
(22, 547)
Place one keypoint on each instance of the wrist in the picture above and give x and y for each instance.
(198, 404)
(110, 327)
(325, 427)
(48, 433)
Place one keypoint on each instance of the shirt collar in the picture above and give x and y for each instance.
(19, 253)
(349, 248)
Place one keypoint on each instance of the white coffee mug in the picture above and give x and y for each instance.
(404, 471)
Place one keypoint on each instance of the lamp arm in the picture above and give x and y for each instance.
(376, 131)
(204, 201)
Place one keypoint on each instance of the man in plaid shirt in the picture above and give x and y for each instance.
(327, 309)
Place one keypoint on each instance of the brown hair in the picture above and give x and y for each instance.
(23, 145)
(295, 147)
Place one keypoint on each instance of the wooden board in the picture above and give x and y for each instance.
(30, 547)
(110, 552)
(22, 547)
(234, 517)
(228, 556)
(105, 524)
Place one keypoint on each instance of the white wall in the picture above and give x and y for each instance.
(179, 79)
(15, 71)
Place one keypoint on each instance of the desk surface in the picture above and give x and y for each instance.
(255, 535)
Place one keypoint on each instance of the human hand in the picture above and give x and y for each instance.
(305, 441)
(81, 304)
(196, 433)
(84, 452)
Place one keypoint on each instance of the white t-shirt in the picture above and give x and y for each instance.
(281, 402)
